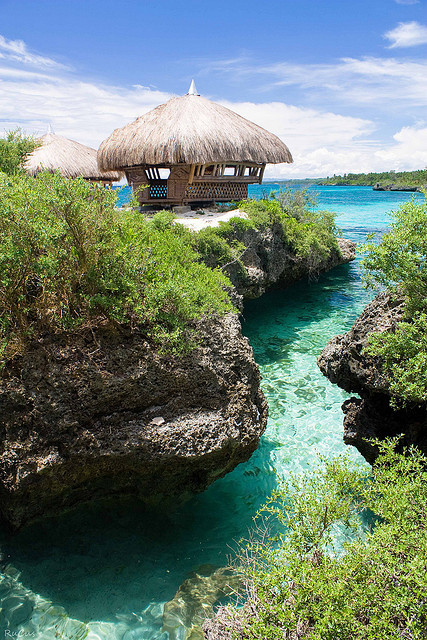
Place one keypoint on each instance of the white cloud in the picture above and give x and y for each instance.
(324, 143)
(386, 83)
(377, 81)
(407, 34)
(17, 51)
(78, 109)
(407, 1)
(411, 142)
(407, 152)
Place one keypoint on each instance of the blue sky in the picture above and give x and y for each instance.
(344, 83)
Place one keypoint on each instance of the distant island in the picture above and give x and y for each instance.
(387, 180)
(294, 182)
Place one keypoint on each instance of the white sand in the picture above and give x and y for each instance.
(195, 221)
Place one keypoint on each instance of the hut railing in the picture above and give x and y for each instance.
(221, 191)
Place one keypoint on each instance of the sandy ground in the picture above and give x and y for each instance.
(196, 221)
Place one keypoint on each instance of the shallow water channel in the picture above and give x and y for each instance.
(106, 570)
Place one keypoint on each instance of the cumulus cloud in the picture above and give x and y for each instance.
(407, 151)
(407, 34)
(318, 140)
(410, 142)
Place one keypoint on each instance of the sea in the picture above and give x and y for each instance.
(113, 570)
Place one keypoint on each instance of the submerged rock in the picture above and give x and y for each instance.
(85, 416)
(370, 415)
(194, 600)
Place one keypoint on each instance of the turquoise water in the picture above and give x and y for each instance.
(105, 571)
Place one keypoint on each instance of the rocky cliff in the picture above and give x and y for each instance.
(99, 412)
(269, 261)
(370, 415)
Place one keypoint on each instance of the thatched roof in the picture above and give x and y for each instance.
(70, 158)
(191, 130)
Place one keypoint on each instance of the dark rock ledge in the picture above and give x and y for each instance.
(269, 261)
(370, 415)
(100, 413)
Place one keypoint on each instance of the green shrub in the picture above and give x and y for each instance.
(68, 257)
(399, 262)
(13, 151)
(213, 248)
(163, 220)
(310, 235)
(219, 246)
(304, 586)
(263, 213)
(295, 202)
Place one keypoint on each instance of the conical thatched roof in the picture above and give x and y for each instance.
(70, 158)
(190, 130)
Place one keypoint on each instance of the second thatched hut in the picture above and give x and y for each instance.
(191, 150)
(70, 158)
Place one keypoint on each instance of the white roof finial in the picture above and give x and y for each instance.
(192, 90)
(50, 128)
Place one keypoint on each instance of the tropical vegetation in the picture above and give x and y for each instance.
(399, 263)
(310, 235)
(347, 558)
(14, 148)
(70, 259)
(340, 552)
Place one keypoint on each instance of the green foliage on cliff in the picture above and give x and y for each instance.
(399, 262)
(309, 234)
(397, 178)
(69, 258)
(13, 151)
(302, 586)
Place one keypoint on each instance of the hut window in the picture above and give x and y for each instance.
(230, 171)
(156, 173)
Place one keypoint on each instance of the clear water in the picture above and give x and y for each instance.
(105, 571)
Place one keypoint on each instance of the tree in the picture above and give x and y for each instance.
(14, 149)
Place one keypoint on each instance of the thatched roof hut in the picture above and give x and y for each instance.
(211, 152)
(70, 158)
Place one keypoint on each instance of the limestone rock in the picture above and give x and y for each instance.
(86, 416)
(345, 364)
(269, 261)
(194, 600)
